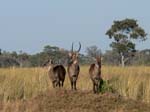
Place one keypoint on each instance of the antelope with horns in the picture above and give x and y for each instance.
(56, 74)
(95, 74)
(73, 66)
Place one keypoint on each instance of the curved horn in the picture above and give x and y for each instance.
(72, 47)
(79, 47)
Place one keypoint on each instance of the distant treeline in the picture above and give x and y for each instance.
(22, 59)
(60, 56)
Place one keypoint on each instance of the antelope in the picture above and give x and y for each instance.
(95, 74)
(56, 74)
(73, 68)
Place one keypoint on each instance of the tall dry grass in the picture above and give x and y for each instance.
(24, 83)
(132, 82)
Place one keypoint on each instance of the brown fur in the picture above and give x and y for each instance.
(95, 74)
(57, 75)
(73, 68)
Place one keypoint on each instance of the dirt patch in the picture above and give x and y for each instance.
(76, 101)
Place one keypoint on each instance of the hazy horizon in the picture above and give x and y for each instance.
(30, 25)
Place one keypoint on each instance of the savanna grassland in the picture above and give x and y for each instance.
(30, 90)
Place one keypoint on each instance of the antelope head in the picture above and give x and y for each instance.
(48, 64)
(73, 55)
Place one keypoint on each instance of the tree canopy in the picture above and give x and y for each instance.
(124, 34)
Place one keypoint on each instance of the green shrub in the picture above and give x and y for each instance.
(105, 87)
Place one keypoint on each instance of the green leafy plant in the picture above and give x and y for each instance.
(105, 87)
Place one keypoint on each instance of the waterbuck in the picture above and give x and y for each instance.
(56, 74)
(73, 67)
(95, 74)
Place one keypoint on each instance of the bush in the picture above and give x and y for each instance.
(105, 87)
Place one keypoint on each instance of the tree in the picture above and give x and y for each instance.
(14, 54)
(144, 57)
(124, 34)
(54, 52)
(93, 51)
(110, 57)
(23, 58)
(50, 49)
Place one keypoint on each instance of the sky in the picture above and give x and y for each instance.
(29, 25)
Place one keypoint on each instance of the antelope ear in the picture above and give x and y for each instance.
(70, 54)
